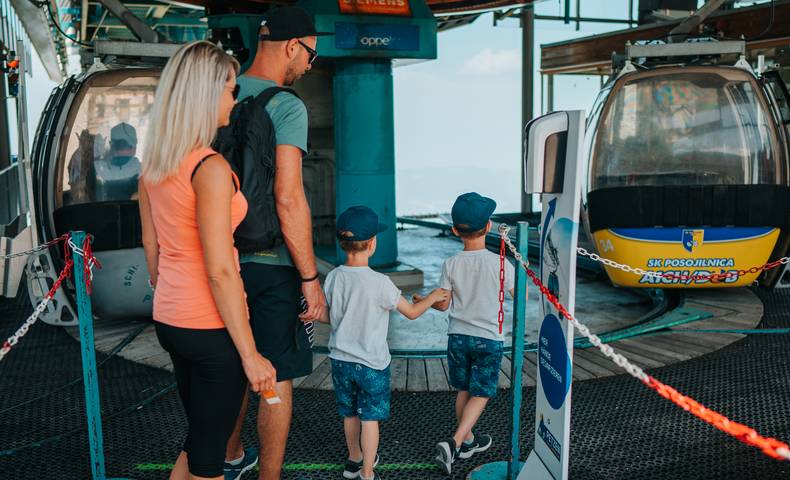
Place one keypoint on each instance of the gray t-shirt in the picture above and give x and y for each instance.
(473, 278)
(289, 118)
(359, 304)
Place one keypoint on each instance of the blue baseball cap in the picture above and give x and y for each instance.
(471, 212)
(358, 223)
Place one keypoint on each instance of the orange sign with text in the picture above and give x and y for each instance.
(375, 7)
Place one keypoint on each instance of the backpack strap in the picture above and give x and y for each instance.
(263, 98)
(200, 164)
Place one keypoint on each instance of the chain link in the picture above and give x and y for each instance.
(769, 446)
(86, 252)
(712, 277)
(615, 357)
(21, 331)
(501, 313)
(39, 248)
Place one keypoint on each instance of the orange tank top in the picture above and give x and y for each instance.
(183, 297)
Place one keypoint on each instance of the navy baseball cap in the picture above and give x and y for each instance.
(471, 212)
(287, 22)
(358, 223)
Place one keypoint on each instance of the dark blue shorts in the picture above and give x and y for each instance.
(474, 364)
(361, 391)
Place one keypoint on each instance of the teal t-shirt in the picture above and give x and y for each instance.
(289, 117)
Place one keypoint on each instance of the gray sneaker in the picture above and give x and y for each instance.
(481, 443)
(248, 462)
(445, 455)
(354, 469)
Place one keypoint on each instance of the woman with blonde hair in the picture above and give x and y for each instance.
(190, 204)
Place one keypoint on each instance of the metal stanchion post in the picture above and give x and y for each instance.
(89, 372)
(509, 469)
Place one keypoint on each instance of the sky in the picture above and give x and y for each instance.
(458, 118)
(470, 137)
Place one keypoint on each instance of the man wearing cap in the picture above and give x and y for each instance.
(116, 175)
(275, 279)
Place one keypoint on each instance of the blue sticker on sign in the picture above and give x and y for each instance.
(553, 362)
(368, 36)
(549, 439)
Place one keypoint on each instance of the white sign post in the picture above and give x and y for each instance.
(554, 168)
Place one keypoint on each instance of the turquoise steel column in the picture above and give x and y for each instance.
(519, 324)
(89, 373)
(365, 146)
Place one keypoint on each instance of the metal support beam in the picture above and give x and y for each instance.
(84, 20)
(679, 33)
(593, 55)
(139, 29)
(128, 49)
(527, 88)
(36, 24)
(5, 142)
(583, 19)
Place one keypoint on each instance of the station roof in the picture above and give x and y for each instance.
(593, 55)
(438, 6)
(181, 20)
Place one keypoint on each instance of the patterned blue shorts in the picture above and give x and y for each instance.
(474, 364)
(361, 391)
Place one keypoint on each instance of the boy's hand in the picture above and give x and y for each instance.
(439, 295)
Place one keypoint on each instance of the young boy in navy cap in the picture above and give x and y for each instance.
(474, 345)
(360, 300)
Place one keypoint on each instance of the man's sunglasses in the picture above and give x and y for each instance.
(311, 52)
(235, 92)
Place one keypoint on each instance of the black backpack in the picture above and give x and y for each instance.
(249, 145)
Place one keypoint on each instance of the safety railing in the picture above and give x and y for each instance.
(770, 446)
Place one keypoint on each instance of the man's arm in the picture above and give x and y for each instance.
(297, 224)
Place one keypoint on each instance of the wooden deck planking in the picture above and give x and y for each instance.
(319, 374)
(653, 353)
(398, 372)
(602, 363)
(416, 379)
(743, 311)
(580, 373)
(646, 344)
(437, 377)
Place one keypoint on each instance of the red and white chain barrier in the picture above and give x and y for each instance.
(711, 277)
(769, 446)
(69, 246)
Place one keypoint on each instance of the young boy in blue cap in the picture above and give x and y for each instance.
(474, 345)
(360, 300)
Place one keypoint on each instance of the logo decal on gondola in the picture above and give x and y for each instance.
(692, 239)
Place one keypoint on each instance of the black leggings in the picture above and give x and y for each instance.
(211, 383)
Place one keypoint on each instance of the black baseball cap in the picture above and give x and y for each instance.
(358, 223)
(471, 212)
(287, 22)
